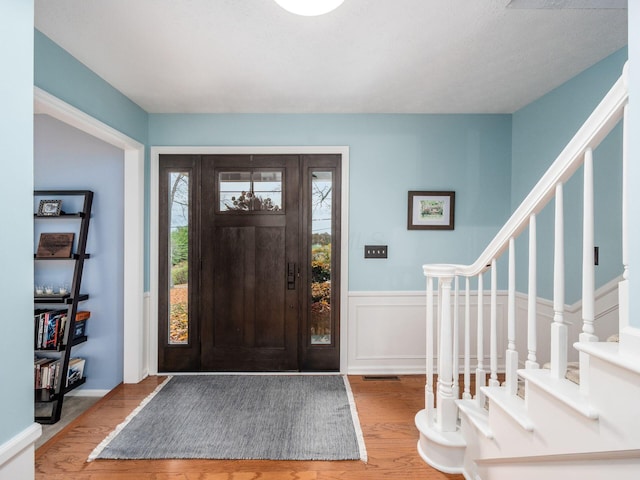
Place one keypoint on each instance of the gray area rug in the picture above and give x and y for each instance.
(267, 417)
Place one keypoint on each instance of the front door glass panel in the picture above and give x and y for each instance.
(250, 191)
(178, 256)
(321, 258)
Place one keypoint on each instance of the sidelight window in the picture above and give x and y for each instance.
(178, 258)
(321, 258)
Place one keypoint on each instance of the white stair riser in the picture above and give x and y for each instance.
(615, 392)
(585, 469)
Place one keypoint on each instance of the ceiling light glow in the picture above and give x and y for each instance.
(309, 8)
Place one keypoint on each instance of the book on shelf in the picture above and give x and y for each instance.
(81, 323)
(75, 370)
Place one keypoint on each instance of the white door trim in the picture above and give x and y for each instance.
(256, 150)
(135, 367)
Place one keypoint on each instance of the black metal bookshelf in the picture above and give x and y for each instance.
(71, 300)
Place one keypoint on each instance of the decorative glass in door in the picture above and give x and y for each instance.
(178, 258)
(321, 320)
(250, 191)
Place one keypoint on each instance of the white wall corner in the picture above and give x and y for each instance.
(17, 454)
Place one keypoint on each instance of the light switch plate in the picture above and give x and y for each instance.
(375, 251)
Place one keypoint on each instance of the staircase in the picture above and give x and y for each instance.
(536, 423)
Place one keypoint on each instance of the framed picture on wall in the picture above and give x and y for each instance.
(431, 210)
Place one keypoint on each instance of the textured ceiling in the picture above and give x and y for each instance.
(368, 56)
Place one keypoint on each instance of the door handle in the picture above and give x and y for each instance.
(291, 276)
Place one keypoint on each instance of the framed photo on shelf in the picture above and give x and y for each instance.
(49, 208)
(55, 245)
(431, 210)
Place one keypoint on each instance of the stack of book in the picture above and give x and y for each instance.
(47, 372)
(49, 329)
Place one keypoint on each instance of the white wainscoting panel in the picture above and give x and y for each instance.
(387, 330)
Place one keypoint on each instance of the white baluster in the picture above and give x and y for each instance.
(481, 374)
(623, 286)
(493, 345)
(447, 411)
(532, 336)
(588, 270)
(558, 328)
(625, 194)
(512, 354)
(455, 348)
(429, 394)
(467, 341)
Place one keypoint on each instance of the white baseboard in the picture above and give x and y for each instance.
(382, 370)
(17, 454)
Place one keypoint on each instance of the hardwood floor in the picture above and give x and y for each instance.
(386, 410)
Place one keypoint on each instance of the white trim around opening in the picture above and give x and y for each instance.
(135, 328)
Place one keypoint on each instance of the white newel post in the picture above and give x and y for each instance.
(493, 341)
(512, 354)
(532, 339)
(447, 411)
(429, 395)
(558, 328)
(588, 270)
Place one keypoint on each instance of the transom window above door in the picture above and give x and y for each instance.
(256, 190)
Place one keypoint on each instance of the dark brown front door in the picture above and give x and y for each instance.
(249, 269)
(249, 290)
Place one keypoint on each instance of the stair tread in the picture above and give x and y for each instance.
(562, 389)
(513, 405)
(478, 416)
(609, 352)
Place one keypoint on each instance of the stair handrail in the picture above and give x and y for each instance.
(595, 129)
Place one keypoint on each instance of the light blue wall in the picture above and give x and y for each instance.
(389, 155)
(67, 158)
(16, 197)
(63, 76)
(540, 131)
(634, 163)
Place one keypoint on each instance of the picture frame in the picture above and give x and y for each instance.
(431, 210)
(49, 208)
(55, 245)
